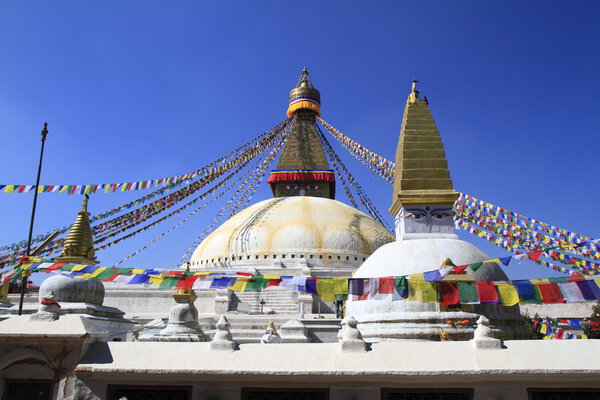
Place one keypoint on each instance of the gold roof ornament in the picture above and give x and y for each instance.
(304, 97)
(447, 263)
(302, 168)
(421, 176)
(79, 245)
(185, 295)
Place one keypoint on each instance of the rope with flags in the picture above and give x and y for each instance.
(129, 186)
(239, 157)
(362, 195)
(246, 190)
(243, 178)
(374, 162)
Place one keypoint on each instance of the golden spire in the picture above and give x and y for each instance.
(79, 245)
(302, 168)
(421, 176)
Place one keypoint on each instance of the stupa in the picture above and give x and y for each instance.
(303, 230)
(422, 203)
(83, 298)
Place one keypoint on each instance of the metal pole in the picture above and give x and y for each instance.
(35, 194)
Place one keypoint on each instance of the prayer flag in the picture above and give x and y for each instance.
(256, 284)
(550, 293)
(386, 285)
(139, 278)
(460, 269)
(467, 292)
(505, 260)
(449, 293)
(527, 293)
(238, 285)
(221, 283)
(168, 282)
(202, 284)
(325, 289)
(340, 285)
(487, 292)
(432, 276)
(535, 256)
(311, 285)
(401, 286)
(475, 266)
(571, 292)
(422, 291)
(589, 289)
(508, 294)
(186, 283)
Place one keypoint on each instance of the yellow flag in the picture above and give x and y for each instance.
(508, 294)
(156, 280)
(422, 291)
(78, 267)
(539, 281)
(97, 272)
(239, 285)
(325, 289)
(543, 329)
(340, 285)
(138, 271)
(4, 293)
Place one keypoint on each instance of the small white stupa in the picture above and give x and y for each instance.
(425, 240)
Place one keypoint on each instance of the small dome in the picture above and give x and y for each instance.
(71, 290)
(294, 225)
(407, 257)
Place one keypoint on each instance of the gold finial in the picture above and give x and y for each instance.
(271, 325)
(79, 245)
(421, 175)
(414, 94)
(448, 263)
(85, 203)
(183, 294)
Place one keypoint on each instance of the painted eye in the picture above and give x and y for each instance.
(416, 216)
(291, 187)
(440, 216)
(312, 187)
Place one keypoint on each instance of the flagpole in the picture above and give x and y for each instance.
(35, 194)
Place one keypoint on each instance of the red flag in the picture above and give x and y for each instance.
(386, 285)
(274, 282)
(460, 269)
(487, 292)
(55, 266)
(111, 278)
(186, 283)
(550, 293)
(448, 293)
(535, 255)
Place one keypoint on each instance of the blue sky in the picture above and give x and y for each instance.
(136, 90)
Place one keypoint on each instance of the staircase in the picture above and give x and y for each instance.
(278, 299)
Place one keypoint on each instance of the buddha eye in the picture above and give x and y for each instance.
(416, 216)
(291, 187)
(440, 215)
(312, 187)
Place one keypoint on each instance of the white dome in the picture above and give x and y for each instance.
(407, 257)
(293, 226)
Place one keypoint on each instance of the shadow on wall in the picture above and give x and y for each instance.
(242, 233)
